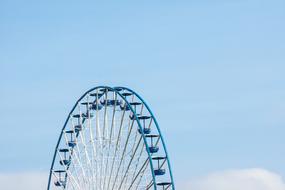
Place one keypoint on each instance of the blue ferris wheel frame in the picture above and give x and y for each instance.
(117, 90)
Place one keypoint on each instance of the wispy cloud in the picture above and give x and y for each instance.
(23, 180)
(245, 179)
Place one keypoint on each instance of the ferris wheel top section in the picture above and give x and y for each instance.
(128, 101)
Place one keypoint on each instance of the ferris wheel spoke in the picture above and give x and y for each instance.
(130, 162)
(98, 130)
(138, 161)
(77, 176)
(98, 137)
(133, 152)
(123, 154)
(88, 162)
(73, 180)
(103, 138)
(77, 157)
(79, 162)
(145, 164)
(149, 185)
(136, 166)
(142, 174)
(84, 144)
(116, 147)
(122, 162)
(110, 138)
(93, 151)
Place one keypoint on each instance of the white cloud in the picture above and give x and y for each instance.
(23, 180)
(246, 179)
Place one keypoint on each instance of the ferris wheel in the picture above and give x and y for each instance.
(110, 141)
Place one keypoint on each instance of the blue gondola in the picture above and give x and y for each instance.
(69, 131)
(126, 94)
(77, 128)
(125, 107)
(71, 144)
(64, 162)
(132, 116)
(59, 171)
(106, 90)
(153, 149)
(158, 158)
(60, 183)
(96, 94)
(96, 107)
(118, 89)
(87, 115)
(152, 136)
(145, 130)
(63, 150)
(110, 102)
(164, 185)
(87, 103)
(159, 171)
(135, 103)
(144, 117)
(76, 116)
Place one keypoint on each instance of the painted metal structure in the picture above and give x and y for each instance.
(127, 151)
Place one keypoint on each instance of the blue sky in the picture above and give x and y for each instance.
(212, 72)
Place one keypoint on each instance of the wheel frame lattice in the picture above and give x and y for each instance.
(157, 156)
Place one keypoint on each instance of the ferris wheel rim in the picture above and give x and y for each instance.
(117, 91)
